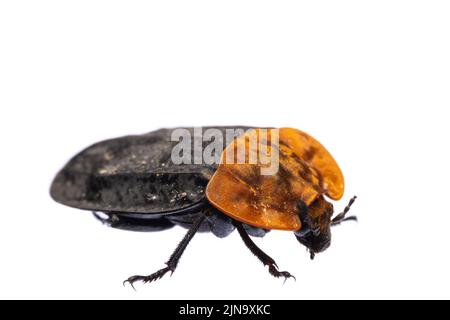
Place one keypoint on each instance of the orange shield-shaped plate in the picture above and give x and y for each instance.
(266, 173)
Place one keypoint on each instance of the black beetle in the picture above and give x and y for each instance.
(132, 183)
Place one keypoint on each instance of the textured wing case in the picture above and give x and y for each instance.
(131, 174)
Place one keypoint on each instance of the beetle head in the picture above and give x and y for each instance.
(315, 233)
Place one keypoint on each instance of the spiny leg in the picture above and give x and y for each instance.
(261, 255)
(174, 258)
(341, 217)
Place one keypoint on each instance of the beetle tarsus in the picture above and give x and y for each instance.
(278, 274)
(261, 255)
(147, 279)
(174, 258)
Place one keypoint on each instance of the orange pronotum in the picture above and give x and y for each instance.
(306, 171)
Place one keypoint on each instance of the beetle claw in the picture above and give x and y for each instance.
(277, 274)
(287, 275)
(147, 279)
(131, 284)
(133, 279)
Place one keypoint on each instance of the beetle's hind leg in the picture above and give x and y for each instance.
(123, 222)
(261, 255)
(174, 258)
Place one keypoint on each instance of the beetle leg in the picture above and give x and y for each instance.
(174, 258)
(122, 222)
(261, 255)
(341, 217)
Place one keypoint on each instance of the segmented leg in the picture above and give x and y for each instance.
(174, 258)
(123, 222)
(261, 255)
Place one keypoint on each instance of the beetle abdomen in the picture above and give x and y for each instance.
(132, 174)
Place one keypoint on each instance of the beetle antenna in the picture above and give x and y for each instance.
(341, 217)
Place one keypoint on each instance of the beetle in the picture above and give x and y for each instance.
(133, 183)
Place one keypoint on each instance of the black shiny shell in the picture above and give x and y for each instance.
(132, 174)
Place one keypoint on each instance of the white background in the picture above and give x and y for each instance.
(369, 79)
